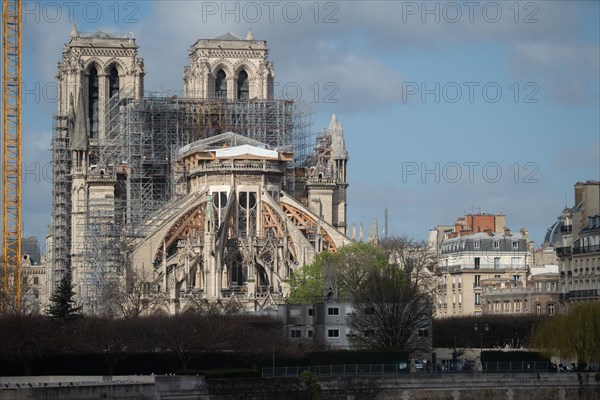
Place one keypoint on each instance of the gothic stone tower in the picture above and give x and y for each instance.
(229, 67)
(95, 70)
(326, 184)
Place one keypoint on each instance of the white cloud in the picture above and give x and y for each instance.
(567, 73)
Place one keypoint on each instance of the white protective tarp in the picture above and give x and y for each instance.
(245, 149)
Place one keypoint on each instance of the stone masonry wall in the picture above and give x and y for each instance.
(543, 386)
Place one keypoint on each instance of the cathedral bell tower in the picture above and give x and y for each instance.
(326, 184)
(229, 67)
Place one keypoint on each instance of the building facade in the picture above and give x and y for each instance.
(327, 325)
(578, 250)
(213, 197)
(34, 287)
(537, 295)
(478, 248)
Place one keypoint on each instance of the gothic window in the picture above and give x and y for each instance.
(220, 201)
(93, 100)
(113, 82)
(247, 213)
(242, 84)
(221, 85)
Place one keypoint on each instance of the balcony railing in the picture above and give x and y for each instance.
(580, 294)
(586, 249)
(563, 251)
(566, 229)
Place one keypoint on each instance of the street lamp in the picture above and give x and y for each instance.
(485, 328)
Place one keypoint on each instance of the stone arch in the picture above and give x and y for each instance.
(225, 65)
(91, 63)
(118, 63)
(244, 65)
(191, 220)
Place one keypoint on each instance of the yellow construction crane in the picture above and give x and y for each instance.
(11, 155)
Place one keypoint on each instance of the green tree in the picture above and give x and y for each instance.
(348, 266)
(573, 334)
(308, 282)
(62, 306)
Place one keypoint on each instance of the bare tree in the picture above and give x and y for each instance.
(25, 338)
(130, 297)
(197, 304)
(416, 258)
(390, 309)
(187, 335)
(30, 304)
(112, 340)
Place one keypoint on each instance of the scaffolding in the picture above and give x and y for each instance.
(132, 162)
(142, 136)
(61, 196)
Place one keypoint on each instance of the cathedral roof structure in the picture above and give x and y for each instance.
(229, 36)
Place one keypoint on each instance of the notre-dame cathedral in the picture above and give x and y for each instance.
(215, 195)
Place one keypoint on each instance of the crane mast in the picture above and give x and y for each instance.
(11, 155)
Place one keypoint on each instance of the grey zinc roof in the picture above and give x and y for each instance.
(553, 235)
(486, 243)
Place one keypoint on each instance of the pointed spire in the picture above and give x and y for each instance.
(376, 233)
(79, 140)
(360, 233)
(337, 139)
(74, 32)
(250, 36)
(354, 231)
(370, 234)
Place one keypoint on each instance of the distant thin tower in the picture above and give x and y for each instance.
(385, 222)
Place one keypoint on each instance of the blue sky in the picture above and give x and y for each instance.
(498, 102)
